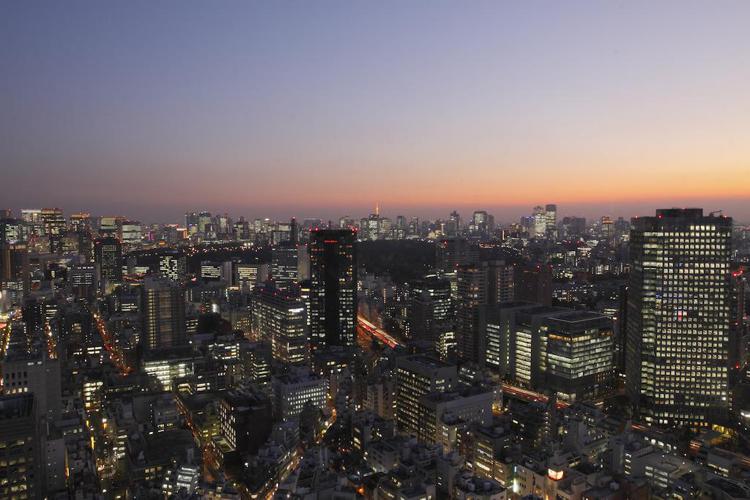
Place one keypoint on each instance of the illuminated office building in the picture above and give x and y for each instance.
(12, 230)
(280, 320)
(292, 391)
(538, 223)
(580, 355)
(284, 265)
(417, 376)
(111, 226)
(131, 232)
(54, 224)
(333, 288)
(679, 317)
(173, 265)
(80, 221)
(566, 352)
(550, 214)
(482, 224)
(430, 308)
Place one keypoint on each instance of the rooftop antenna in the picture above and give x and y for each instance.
(715, 212)
(377, 208)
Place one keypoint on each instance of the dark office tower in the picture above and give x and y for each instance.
(14, 270)
(333, 293)
(19, 465)
(533, 283)
(679, 319)
(82, 281)
(737, 351)
(431, 311)
(620, 331)
(454, 252)
(573, 227)
(108, 256)
(163, 314)
(486, 283)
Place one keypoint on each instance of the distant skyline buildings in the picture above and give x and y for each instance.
(354, 212)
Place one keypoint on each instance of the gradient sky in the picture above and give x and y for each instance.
(320, 108)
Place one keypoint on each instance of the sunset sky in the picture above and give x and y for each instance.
(323, 108)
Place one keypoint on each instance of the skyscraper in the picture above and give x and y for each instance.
(54, 224)
(551, 220)
(430, 308)
(486, 283)
(679, 319)
(333, 293)
(14, 270)
(539, 222)
(281, 320)
(108, 256)
(163, 314)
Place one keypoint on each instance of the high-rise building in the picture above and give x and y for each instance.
(431, 310)
(482, 224)
(280, 320)
(245, 419)
(333, 292)
(14, 270)
(82, 279)
(20, 469)
(579, 360)
(54, 224)
(108, 256)
(80, 221)
(173, 265)
(539, 222)
(454, 252)
(573, 227)
(417, 376)
(132, 232)
(679, 317)
(533, 283)
(284, 265)
(163, 314)
(12, 230)
(111, 226)
(568, 353)
(550, 214)
(482, 284)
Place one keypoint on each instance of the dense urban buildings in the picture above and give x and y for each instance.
(353, 251)
(454, 358)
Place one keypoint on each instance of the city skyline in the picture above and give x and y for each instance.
(261, 109)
